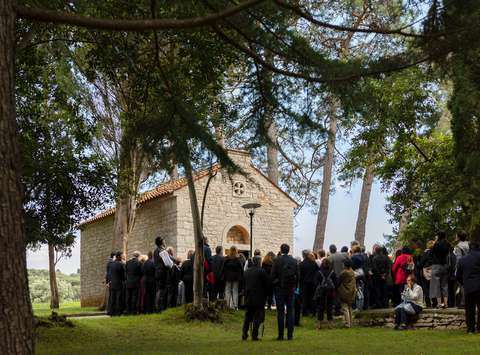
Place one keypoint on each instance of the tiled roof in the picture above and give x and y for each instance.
(161, 190)
(170, 187)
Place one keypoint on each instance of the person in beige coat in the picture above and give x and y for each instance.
(346, 291)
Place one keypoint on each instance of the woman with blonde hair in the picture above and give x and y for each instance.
(267, 264)
(232, 275)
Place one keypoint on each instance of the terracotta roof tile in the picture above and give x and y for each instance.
(161, 190)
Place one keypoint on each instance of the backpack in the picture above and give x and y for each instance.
(324, 286)
(289, 275)
(409, 266)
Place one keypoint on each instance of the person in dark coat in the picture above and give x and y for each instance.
(381, 267)
(325, 281)
(256, 292)
(308, 269)
(117, 279)
(173, 279)
(439, 281)
(148, 270)
(186, 275)
(267, 264)
(163, 264)
(232, 274)
(218, 285)
(134, 274)
(468, 275)
(285, 275)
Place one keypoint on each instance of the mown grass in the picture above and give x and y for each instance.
(43, 309)
(168, 333)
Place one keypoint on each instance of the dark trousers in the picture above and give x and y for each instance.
(452, 289)
(172, 295)
(285, 301)
(307, 291)
(131, 300)
(255, 315)
(325, 303)
(116, 304)
(188, 292)
(149, 298)
(217, 291)
(397, 294)
(472, 303)
(401, 317)
(109, 302)
(381, 292)
(161, 298)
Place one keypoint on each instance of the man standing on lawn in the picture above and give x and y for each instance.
(256, 291)
(117, 274)
(285, 275)
(468, 275)
(134, 274)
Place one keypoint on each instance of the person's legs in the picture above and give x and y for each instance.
(235, 294)
(477, 302)
(280, 302)
(347, 314)
(330, 301)
(258, 317)
(247, 320)
(321, 307)
(289, 300)
(444, 285)
(134, 300)
(228, 294)
(470, 305)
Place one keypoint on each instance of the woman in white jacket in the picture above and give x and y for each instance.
(412, 304)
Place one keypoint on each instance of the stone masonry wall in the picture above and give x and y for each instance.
(273, 222)
(156, 217)
(428, 318)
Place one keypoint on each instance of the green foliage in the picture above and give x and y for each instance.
(39, 285)
(63, 179)
(432, 190)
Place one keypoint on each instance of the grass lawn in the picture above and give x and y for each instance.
(169, 333)
(43, 309)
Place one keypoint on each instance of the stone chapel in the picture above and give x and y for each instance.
(165, 211)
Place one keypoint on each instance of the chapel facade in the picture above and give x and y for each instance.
(165, 211)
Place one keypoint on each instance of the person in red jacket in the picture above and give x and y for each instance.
(402, 268)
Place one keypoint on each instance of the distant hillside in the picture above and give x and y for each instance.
(68, 286)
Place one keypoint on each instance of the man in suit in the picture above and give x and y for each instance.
(117, 279)
(134, 274)
(108, 277)
(256, 292)
(285, 275)
(163, 264)
(308, 269)
(148, 271)
(468, 275)
(218, 287)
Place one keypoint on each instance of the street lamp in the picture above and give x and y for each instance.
(251, 207)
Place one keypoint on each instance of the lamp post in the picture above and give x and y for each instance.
(251, 207)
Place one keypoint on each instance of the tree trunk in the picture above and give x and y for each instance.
(16, 319)
(219, 136)
(272, 152)
(130, 170)
(363, 206)
(198, 235)
(326, 183)
(174, 173)
(54, 298)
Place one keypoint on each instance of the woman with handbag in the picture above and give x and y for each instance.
(412, 303)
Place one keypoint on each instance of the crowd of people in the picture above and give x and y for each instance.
(333, 283)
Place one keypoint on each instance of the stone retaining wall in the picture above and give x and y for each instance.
(428, 318)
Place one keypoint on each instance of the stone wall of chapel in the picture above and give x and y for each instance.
(156, 217)
(273, 222)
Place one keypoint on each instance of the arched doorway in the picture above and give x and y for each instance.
(238, 236)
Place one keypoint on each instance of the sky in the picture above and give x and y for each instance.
(340, 227)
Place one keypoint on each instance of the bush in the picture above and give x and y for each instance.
(39, 283)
